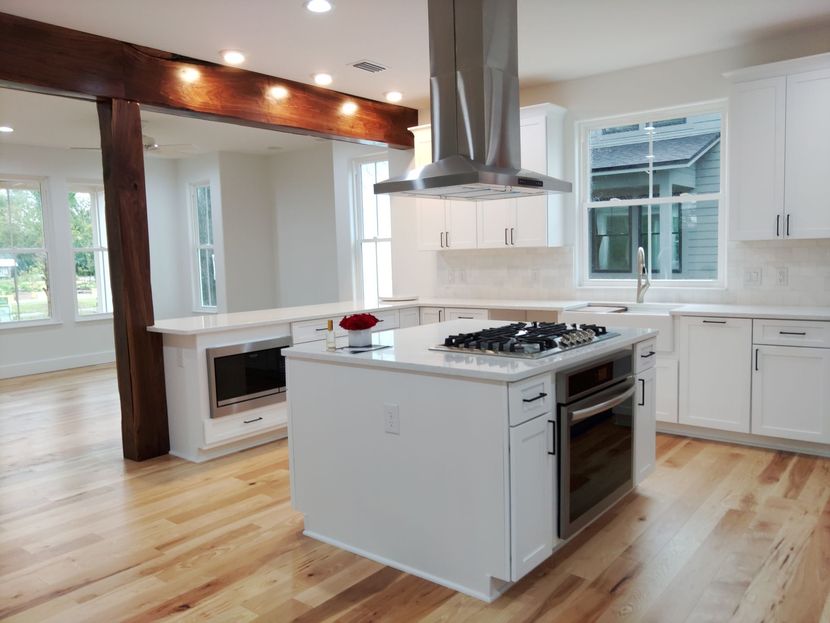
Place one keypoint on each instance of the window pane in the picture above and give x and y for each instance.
(92, 287)
(26, 217)
(80, 219)
(5, 219)
(611, 241)
(694, 248)
(23, 287)
(204, 216)
(384, 252)
(370, 269)
(384, 216)
(207, 278)
(368, 204)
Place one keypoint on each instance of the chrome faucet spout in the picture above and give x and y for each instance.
(643, 277)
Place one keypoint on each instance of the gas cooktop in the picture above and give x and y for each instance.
(527, 340)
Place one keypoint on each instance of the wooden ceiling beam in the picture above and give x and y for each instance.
(52, 59)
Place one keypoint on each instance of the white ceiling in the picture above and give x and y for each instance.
(50, 121)
(558, 39)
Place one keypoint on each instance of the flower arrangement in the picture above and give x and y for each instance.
(359, 322)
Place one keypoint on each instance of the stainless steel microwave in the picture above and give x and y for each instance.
(245, 376)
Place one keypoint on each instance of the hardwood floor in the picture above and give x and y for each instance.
(717, 533)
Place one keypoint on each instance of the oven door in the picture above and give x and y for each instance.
(596, 453)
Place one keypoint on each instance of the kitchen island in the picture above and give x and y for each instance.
(448, 465)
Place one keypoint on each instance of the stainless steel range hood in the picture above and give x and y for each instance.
(474, 101)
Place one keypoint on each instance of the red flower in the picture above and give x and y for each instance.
(358, 322)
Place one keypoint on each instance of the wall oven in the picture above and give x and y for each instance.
(245, 376)
(596, 440)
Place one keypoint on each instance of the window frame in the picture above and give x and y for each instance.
(197, 247)
(582, 181)
(357, 222)
(48, 238)
(94, 188)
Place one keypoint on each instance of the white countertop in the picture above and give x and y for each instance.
(783, 312)
(409, 350)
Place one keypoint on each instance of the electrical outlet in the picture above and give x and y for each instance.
(782, 276)
(752, 277)
(450, 276)
(534, 276)
(391, 419)
(462, 276)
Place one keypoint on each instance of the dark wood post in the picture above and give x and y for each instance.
(138, 352)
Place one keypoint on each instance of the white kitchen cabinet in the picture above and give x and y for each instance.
(495, 218)
(409, 317)
(756, 158)
(460, 313)
(422, 145)
(387, 320)
(791, 393)
(444, 224)
(808, 155)
(431, 315)
(645, 426)
(666, 389)
(532, 494)
(715, 372)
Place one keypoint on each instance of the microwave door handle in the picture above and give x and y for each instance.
(583, 414)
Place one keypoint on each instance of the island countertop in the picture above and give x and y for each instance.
(409, 349)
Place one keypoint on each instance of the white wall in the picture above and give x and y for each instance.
(549, 273)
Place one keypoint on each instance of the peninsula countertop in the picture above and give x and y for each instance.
(409, 350)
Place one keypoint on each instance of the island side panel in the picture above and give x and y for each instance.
(432, 499)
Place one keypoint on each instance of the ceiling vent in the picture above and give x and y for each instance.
(370, 66)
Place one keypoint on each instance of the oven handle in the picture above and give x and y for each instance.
(583, 414)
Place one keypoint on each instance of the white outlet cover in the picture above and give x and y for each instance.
(391, 419)
(782, 276)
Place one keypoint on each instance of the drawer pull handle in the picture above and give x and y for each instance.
(715, 321)
(539, 397)
(756, 359)
(466, 318)
(651, 353)
(642, 402)
(256, 419)
(792, 333)
(552, 437)
(323, 329)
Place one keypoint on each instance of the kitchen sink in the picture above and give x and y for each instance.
(629, 315)
(628, 308)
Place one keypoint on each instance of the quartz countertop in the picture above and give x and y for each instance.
(777, 312)
(408, 349)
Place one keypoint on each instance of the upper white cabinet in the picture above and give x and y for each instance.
(715, 372)
(444, 224)
(528, 222)
(779, 150)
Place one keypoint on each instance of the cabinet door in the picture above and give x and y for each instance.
(431, 230)
(495, 218)
(806, 203)
(790, 393)
(645, 425)
(756, 159)
(666, 390)
(461, 220)
(531, 223)
(409, 317)
(715, 371)
(532, 494)
(431, 315)
(423, 145)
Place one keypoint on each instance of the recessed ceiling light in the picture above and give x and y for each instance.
(348, 108)
(232, 57)
(319, 6)
(322, 79)
(6, 129)
(393, 96)
(278, 92)
(189, 74)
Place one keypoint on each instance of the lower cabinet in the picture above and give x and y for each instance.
(791, 393)
(715, 375)
(409, 317)
(533, 479)
(666, 389)
(430, 315)
(645, 429)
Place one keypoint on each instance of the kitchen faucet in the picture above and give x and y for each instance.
(642, 271)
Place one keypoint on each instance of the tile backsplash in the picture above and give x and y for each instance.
(789, 272)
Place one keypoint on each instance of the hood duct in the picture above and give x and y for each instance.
(474, 102)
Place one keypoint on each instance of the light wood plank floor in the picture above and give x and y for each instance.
(718, 533)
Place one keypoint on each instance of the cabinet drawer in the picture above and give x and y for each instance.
(313, 330)
(389, 320)
(645, 355)
(409, 317)
(530, 398)
(791, 333)
(218, 431)
(452, 313)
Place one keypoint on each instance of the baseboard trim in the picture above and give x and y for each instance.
(745, 439)
(54, 364)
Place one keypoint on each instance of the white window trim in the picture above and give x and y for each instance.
(195, 268)
(48, 247)
(357, 222)
(92, 188)
(582, 277)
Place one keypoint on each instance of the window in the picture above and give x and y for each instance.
(24, 261)
(203, 253)
(93, 294)
(373, 222)
(654, 182)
